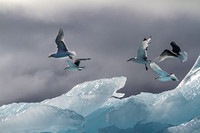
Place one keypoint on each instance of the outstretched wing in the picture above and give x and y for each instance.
(142, 51)
(146, 43)
(60, 41)
(77, 61)
(164, 55)
(167, 52)
(157, 69)
(175, 48)
(71, 64)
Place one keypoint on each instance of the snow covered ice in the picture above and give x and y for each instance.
(90, 108)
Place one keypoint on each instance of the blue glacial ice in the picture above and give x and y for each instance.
(89, 96)
(192, 126)
(56, 115)
(90, 108)
(171, 107)
(25, 118)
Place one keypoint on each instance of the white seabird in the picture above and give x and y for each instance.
(164, 76)
(62, 49)
(142, 53)
(175, 53)
(75, 66)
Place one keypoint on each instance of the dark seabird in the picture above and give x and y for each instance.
(62, 49)
(142, 54)
(164, 76)
(175, 53)
(75, 66)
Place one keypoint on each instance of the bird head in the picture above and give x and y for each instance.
(131, 59)
(65, 68)
(155, 78)
(173, 77)
(50, 55)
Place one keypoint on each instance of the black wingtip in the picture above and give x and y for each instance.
(173, 43)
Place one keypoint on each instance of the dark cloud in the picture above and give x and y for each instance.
(109, 35)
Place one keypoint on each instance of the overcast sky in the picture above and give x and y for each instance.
(109, 32)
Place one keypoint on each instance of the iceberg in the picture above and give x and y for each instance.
(89, 96)
(172, 107)
(91, 107)
(192, 126)
(25, 118)
(56, 115)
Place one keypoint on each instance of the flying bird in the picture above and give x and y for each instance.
(164, 76)
(62, 49)
(175, 53)
(75, 65)
(142, 53)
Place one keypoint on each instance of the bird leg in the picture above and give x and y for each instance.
(146, 67)
(70, 57)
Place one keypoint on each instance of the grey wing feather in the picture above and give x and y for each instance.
(60, 41)
(77, 61)
(175, 48)
(71, 64)
(146, 43)
(142, 53)
(164, 55)
(167, 52)
(157, 69)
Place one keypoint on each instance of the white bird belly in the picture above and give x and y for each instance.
(164, 78)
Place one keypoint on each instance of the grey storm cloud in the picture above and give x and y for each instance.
(107, 32)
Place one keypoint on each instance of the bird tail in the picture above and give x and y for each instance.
(73, 53)
(80, 68)
(183, 57)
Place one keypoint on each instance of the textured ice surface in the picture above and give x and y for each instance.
(89, 96)
(172, 107)
(192, 126)
(172, 111)
(151, 127)
(25, 118)
(53, 115)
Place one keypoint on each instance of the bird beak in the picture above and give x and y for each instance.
(49, 56)
(65, 68)
(127, 60)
